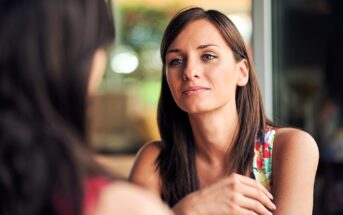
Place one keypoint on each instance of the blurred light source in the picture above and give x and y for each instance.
(124, 61)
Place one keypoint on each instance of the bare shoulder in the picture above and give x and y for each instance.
(144, 171)
(150, 149)
(295, 162)
(295, 141)
(119, 197)
(147, 155)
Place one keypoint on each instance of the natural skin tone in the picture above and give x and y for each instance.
(203, 75)
(117, 197)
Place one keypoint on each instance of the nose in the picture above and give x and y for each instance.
(191, 70)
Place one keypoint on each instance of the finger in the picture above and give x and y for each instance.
(257, 195)
(253, 205)
(243, 211)
(253, 183)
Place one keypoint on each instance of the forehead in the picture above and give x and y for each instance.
(199, 32)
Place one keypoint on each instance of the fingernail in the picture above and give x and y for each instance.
(270, 196)
(274, 207)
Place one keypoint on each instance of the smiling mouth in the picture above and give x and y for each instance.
(194, 91)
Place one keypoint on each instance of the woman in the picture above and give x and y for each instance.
(215, 136)
(52, 55)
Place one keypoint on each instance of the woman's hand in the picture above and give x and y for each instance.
(235, 194)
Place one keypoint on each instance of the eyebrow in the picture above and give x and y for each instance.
(199, 47)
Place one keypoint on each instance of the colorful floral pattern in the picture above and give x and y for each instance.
(262, 161)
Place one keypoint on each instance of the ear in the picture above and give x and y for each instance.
(243, 73)
(97, 69)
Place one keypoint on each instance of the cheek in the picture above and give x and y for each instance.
(98, 67)
(225, 82)
(173, 82)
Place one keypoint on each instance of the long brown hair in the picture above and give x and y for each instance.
(176, 161)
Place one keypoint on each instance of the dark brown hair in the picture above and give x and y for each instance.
(47, 47)
(176, 161)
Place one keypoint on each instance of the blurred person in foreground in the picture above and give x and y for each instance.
(52, 55)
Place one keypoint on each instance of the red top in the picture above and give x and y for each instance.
(93, 189)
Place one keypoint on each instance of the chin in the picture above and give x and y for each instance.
(195, 109)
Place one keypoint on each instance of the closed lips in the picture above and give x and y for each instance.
(194, 89)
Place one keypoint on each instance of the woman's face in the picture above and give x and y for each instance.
(201, 71)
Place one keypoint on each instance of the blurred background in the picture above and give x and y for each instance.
(296, 46)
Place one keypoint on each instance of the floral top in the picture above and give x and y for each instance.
(262, 161)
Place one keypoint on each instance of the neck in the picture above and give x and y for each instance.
(214, 133)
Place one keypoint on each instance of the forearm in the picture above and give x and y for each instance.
(181, 210)
(185, 206)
